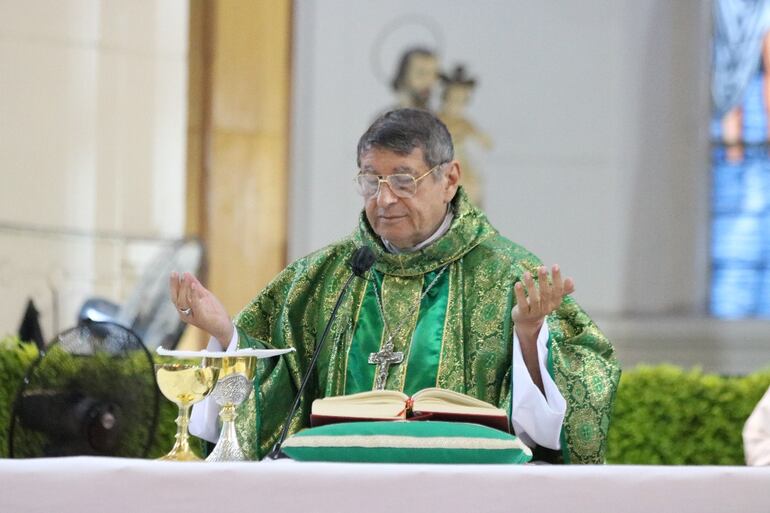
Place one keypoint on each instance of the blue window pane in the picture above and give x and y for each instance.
(754, 117)
(735, 292)
(757, 182)
(737, 240)
(715, 129)
(728, 188)
(741, 186)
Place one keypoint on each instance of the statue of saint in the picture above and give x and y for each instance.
(454, 100)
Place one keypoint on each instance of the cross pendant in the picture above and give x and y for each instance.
(383, 360)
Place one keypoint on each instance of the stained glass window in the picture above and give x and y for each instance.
(740, 202)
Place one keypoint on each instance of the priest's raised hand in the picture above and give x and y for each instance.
(534, 301)
(199, 307)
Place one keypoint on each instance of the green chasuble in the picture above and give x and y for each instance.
(458, 336)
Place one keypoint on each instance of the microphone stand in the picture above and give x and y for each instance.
(358, 270)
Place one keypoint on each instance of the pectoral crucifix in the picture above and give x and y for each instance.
(383, 360)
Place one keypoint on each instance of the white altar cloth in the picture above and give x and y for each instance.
(115, 485)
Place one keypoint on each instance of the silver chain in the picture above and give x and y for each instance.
(392, 334)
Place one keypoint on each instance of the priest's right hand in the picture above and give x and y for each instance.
(199, 307)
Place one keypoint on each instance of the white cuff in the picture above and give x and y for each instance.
(204, 419)
(233, 345)
(537, 419)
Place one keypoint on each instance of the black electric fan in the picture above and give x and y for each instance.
(91, 392)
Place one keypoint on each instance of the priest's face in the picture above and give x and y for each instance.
(405, 222)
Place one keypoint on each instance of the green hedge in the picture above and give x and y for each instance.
(664, 415)
(15, 359)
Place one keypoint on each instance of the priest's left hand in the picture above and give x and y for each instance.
(532, 307)
(534, 301)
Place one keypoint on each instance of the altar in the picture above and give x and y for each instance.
(114, 485)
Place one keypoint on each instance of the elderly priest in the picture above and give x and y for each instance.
(448, 303)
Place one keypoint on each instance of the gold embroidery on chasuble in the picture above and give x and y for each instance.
(339, 380)
(487, 341)
(401, 301)
(587, 374)
(333, 360)
(451, 367)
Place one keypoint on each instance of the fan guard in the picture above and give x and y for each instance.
(91, 392)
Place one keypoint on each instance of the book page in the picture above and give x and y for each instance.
(377, 404)
(440, 400)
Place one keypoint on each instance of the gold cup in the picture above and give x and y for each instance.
(184, 385)
(227, 365)
(236, 377)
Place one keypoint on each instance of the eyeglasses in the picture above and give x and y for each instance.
(403, 185)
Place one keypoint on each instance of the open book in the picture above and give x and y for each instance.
(427, 404)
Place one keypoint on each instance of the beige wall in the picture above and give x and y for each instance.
(238, 139)
(92, 138)
(246, 182)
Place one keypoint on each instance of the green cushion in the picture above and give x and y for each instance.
(406, 442)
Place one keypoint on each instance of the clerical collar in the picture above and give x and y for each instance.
(441, 230)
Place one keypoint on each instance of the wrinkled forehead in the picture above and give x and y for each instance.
(385, 161)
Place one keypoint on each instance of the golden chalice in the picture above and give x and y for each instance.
(184, 385)
(236, 376)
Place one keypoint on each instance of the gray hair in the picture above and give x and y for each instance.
(403, 130)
